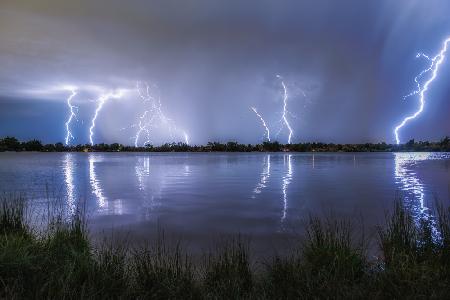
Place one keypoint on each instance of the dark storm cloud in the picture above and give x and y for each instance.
(213, 59)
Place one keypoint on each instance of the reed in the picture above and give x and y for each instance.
(330, 262)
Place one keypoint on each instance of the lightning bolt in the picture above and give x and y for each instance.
(143, 124)
(142, 128)
(186, 137)
(72, 114)
(262, 122)
(100, 102)
(285, 112)
(154, 117)
(436, 62)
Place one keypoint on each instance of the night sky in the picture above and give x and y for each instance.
(346, 65)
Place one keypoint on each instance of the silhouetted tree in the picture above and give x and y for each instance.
(33, 145)
(60, 147)
(271, 146)
(10, 144)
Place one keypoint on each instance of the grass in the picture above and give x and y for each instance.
(227, 271)
(329, 263)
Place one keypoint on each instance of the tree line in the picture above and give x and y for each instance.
(13, 144)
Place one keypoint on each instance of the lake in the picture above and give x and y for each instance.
(199, 196)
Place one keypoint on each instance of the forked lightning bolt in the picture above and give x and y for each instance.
(147, 116)
(153, 117)
(436, 62)
(285, 111)
(72, 114)
(263, 123)
(142, 128)
(100, 102)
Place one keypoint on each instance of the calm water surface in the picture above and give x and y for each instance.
(199, 195)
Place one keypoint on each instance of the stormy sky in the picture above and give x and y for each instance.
(346, 65)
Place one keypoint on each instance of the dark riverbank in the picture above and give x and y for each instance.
(413, 261)
(13, 144)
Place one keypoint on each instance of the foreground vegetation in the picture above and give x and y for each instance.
(61, 263)
(12, 144)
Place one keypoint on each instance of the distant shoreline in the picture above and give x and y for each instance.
(228, 152)
(12, 144)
